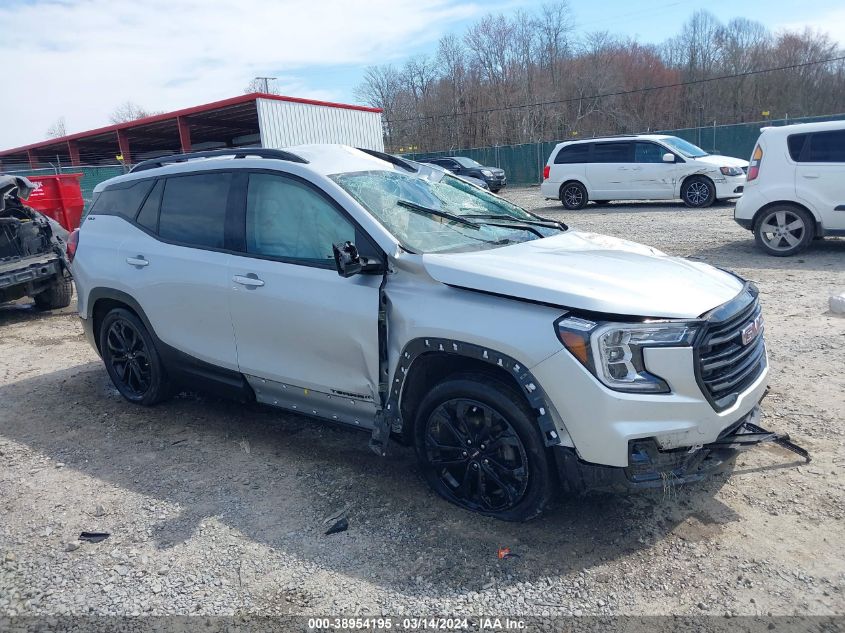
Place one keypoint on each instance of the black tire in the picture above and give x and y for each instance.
(496, 190)
(698, 192)
(512, 479)
(573, 195)
(131, 359)
(773, 234)
(56, 296)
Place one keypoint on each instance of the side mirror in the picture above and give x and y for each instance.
(668, 157)
(348, 262)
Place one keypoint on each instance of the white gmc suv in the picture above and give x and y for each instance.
(514, 353)
(640, 167)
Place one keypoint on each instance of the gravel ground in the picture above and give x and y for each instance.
(219, 508)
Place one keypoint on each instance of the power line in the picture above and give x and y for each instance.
(619, 93)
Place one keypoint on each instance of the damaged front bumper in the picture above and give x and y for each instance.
(651, 467)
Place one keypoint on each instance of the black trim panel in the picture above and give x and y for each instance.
(530, 387)
(841, 207)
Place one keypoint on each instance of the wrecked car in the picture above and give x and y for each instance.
(640, 167)
(33, 250)
(517, 355)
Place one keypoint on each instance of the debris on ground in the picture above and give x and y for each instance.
(94, 537)
(341, 525)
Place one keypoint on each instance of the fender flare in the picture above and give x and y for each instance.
(534, 394)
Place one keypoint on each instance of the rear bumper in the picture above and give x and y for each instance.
(29, 270)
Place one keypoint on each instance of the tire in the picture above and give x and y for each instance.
(698, 192)
(773, 235)
(56, 296)
(512, 481)
(131, 359)
(573, 195)
(495, 190)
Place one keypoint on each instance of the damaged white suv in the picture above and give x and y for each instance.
(515, 354)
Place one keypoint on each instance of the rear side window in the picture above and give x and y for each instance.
(612, 153)
(573, 154)
(824, 147)
(122, 199)
(796, 145)
(193, 209)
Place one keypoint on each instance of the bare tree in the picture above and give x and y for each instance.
(57, 128)
(267, 85)
(129, 111)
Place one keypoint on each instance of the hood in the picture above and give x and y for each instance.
(587, 271)
(722, 161)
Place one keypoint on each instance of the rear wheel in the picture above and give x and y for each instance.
(479, 447)
(698, 192)
(573, 195)
(784, 230)
(56, 296)
(131, 359)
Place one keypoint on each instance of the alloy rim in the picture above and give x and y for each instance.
(128, 357)
(573, 196)
(477, 455)
(782, 230)
(697, 193)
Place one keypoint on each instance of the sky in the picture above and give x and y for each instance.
(80, 59)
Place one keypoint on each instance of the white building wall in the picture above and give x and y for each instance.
(288, 123)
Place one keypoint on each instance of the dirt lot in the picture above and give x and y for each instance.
(217, 508)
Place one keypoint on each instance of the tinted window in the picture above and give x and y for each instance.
(288, 219)
(796, 145)
(825, 147)
(573, 154)
(122, 200)
(648, 153)
(148, 215)
(612, 153)
(193, 209)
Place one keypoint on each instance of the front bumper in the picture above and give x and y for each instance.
(496, 182)
(729, 186)
(650, 467)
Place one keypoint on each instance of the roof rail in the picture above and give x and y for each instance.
(390, 158)
(237, 152)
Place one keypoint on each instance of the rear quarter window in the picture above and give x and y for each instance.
(123, 199)
(570, 154)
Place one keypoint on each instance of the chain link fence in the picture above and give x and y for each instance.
(524, 163)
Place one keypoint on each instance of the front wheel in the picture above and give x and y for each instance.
(479, 447)
(131, 359)
(784, 230)
(574, 196)
(698, 192)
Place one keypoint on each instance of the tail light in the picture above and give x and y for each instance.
(754, 167)
(72, 244)
(546, 171)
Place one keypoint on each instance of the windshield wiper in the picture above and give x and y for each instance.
(551, 224)
(413, 206)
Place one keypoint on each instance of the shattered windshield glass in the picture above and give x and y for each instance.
(442, 213)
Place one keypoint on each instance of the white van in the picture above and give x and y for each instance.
(796, 186)
(640, 167)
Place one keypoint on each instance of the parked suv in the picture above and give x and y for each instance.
(796, 187)
(463, 166)
(514, 353)
(640, 167)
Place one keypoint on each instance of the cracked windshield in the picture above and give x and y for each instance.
(448, 215)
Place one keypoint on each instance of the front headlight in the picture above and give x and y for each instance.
(613, 352)
(731, 171)
(487, 173)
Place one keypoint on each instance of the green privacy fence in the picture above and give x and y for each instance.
(91, 176)
(524, 163)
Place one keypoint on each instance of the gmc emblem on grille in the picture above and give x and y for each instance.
(750, 331)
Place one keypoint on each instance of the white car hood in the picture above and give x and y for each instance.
(722, 161)
(593, 272)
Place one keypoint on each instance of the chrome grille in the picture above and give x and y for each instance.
(726, 366)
